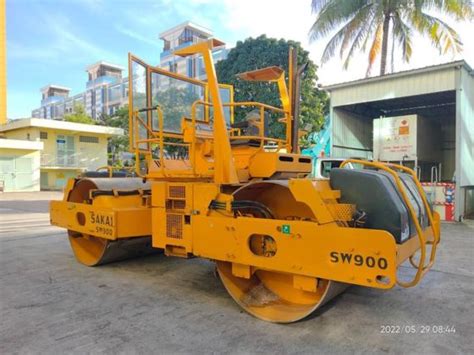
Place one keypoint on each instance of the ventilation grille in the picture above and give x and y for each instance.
(342, 211)
(174, 226)
(177, 192)
(179, 204)
(175, 204)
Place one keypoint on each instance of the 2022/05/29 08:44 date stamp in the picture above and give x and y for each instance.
(417, 329)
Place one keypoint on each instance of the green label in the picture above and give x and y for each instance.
(285, 229)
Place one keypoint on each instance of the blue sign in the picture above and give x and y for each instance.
(60, 141)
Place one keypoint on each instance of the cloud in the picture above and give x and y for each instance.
(20, 51)
(70, 42)
(136, 35)
(65, 44)
(94, 5)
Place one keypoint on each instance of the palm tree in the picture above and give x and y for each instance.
(360, 23)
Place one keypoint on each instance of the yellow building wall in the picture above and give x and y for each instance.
(23, 134)
(10, 177)
(87, 156)
(55, 179)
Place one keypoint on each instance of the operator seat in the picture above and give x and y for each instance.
(250, 126)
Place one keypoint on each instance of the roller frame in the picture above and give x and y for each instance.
(102, 222)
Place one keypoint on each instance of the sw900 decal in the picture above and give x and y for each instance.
(358, 260)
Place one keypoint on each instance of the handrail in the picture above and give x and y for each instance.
(159, 137)
(243, 103)
(420, 270)
(136, 120)
(254, 103)
(278, 140)
(261, 107)
(428, 211)
(110, 169)
(162, 145)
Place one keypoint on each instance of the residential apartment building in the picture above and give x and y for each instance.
(107, 88)
(182, 36)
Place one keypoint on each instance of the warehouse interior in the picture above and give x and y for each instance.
(438, 108)
(442, 96)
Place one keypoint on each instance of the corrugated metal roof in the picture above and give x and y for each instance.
(437, 67)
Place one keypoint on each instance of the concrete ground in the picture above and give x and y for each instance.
(51, 304)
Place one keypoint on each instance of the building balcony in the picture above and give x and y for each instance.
(103, 80)
(52, 161)
(80, 161)
(169, 52)
(52, 99)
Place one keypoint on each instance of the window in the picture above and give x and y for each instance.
(88, 139)
(191, 66)
(43, 135)
(201, 69)
(115, 93)
(173, 67)
(65, 150)
(186, 36)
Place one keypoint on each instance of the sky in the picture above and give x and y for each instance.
(52, 41)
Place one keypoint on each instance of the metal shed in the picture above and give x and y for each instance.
(444, 94)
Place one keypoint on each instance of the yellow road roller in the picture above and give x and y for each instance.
(238, 193)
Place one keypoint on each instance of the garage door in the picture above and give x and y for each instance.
(16, 173)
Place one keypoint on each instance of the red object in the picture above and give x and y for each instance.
(445, 210)
(449, 213)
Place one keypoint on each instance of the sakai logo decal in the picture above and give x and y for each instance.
(97, 218)
(358, 260)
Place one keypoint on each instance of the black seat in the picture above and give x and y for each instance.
(250, 129)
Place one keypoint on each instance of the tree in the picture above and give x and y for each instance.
(260, 52)
(362, 23)
(79, 115)
(118, 144)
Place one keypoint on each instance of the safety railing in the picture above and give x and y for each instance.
(110, 169)
(236, 133)
(159, 137)
(66, 160)
(421, 267)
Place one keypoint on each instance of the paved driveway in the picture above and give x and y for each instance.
(51, 304)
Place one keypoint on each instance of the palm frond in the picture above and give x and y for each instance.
(333, 14)
(362, 38)
(443, 36)
(332, 45)
(402, 33)
(363, 16)
(318, 5)
(460, 9)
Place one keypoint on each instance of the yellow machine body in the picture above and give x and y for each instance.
(283, 244)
